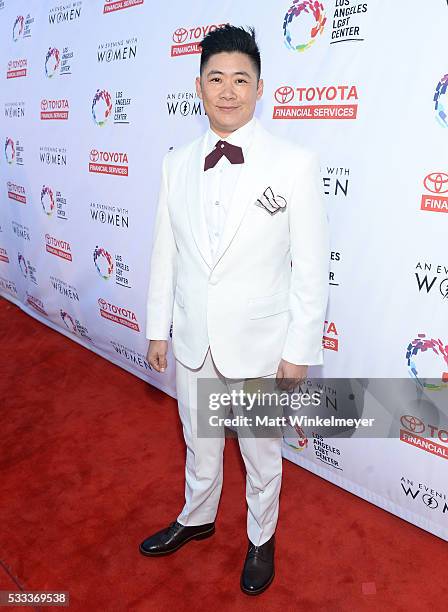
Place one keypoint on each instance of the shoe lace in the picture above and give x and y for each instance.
(257, 552)
(254, 551)
(172, 528)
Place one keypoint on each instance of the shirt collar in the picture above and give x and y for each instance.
(242, 137)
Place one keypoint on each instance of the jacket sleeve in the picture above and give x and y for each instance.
(163, 268)
(310, 255)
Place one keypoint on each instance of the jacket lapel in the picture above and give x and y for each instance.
(256, 163)
(195, 198)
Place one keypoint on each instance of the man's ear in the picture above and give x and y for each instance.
(260, 88)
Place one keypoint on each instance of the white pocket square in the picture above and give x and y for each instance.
(272, 203)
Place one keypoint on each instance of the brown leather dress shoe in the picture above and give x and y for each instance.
(258, 571)
(173, 537)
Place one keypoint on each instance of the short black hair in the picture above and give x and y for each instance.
(231, 38)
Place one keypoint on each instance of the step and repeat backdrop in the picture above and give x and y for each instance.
(93, 93)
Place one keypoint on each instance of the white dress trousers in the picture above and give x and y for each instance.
(204, 461)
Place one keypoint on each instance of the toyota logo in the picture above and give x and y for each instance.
(412, 423)
(180, 35)
(94, 155)
(44, 105)
(284, 94)
(102, 303)
(436, 182)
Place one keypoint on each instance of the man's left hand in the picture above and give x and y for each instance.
(289, 375)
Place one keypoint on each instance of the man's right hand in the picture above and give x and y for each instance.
(156, 356)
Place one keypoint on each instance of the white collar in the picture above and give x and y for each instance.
(242, 137)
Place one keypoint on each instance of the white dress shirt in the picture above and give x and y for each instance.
(220, 181)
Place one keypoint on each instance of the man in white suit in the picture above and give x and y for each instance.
(239, 266)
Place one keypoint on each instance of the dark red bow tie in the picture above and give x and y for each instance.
(233, 153)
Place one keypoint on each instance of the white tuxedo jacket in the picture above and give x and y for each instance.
(249, 304)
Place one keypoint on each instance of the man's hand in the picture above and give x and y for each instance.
(156, 356)
(289, 375)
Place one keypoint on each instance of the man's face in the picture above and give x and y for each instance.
(229, 91)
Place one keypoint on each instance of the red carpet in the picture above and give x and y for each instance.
(92, 461)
